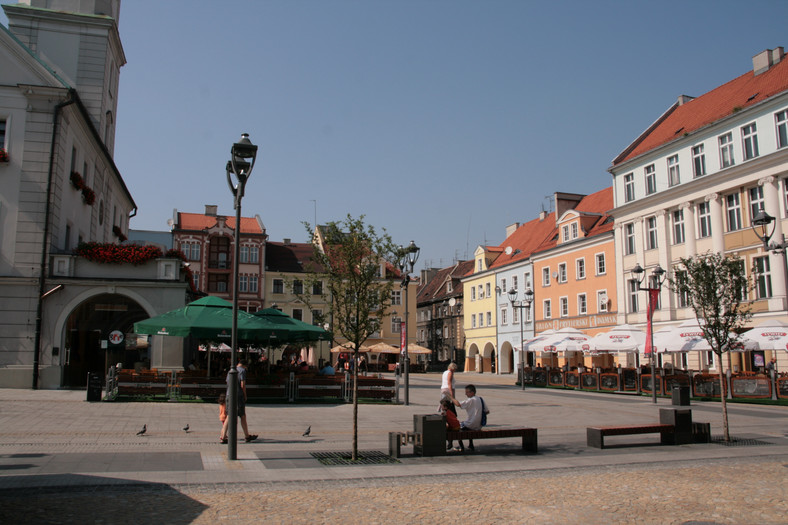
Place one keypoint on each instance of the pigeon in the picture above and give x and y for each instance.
(144, 429)
(307, 431)
(186, 428)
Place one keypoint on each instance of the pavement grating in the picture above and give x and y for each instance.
(365, 457)
(738, 442)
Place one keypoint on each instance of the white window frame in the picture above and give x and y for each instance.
(652, 238)
(526, 280)
(396, 325)
(727, 158)
(600, 264)
(698, 161)
(562, 273)
(253, 283)
(781, 128)
(650, 175)
(244, 254)
(704, 220)
(480, 293)
(633, 291)
(629, 238)
(487, 291)
(678, 226)
(503, 316)
(674, 175)
(489, 319)
(763, 277)
(682, 299)
(480, 316)
(563, 303)
(503, 285)
(396, 297)
(749, 141)
(565, 232)
(515, 315)
(546, 276)
(733, 212)
(243, 283)
(254, 255)
(602, 305)
(547, 309)
(582, 304)
(473, 293)
(573, 230)
(514, 282)
(629, 187)
(473, 321)
(757, 202)
(580, 268)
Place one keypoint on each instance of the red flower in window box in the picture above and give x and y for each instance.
(119, 234)
(88, 195)
(116, 253)
(3, 155)
(76, 180)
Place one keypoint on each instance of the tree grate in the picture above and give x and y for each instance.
(365, 457)
(738, 442)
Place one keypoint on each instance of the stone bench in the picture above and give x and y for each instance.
(595, 436)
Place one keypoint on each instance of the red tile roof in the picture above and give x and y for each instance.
(740, 93)
(291, 257)
(199, 222)
(434, 289)
(596, 222)
(525, 240)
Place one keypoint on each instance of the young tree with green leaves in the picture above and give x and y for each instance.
(353, 262)
(716, 287)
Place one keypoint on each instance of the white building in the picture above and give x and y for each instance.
(692, 182)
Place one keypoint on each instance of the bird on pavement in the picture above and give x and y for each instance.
(308, 431)
(144, 429)
(186, 428)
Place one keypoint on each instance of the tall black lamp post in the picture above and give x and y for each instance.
(525, 304)
(654, 285)
(406, 261)
(242, 157)
(761, 226)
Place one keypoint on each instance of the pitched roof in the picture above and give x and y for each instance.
(290, 257)
(524, 241)
(199, 222)
(596, 222)
(680, 119)
(434, 289)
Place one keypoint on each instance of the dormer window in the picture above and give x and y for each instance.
(479, 265)
(449, 288)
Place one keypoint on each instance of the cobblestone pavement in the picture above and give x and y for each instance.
(721, 491)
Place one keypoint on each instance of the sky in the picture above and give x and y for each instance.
(440, 121)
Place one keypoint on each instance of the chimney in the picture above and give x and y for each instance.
(683, 99)
(542, 215)
(766, 59)
(210, 210)
(512, 228)
(286, 242)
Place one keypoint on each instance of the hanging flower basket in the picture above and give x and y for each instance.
(3, 155)
(76, 180)
(88, 195)
(119, 234)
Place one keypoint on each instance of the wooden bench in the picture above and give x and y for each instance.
(596, 435)
(528, 435)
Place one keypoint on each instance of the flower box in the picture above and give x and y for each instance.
(3, 155)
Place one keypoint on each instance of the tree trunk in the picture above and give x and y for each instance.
(724, 402)
(355, 403)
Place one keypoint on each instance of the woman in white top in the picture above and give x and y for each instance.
(447, 384)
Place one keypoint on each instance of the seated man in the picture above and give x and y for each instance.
(327, 369)
(473, 407)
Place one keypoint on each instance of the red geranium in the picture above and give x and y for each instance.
(117, 253)
(3, 155)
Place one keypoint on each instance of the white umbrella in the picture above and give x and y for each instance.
(689, 336)
(566, 340)
(769, 335)
(622, 338)
(532, 344)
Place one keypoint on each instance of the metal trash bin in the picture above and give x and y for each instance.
(681, 419)
(94, 386)
(432, 428)
(681, 396)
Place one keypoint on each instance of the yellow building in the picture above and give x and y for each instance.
(479, 319)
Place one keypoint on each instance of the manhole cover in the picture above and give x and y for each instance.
(365, 457)
(738, 442)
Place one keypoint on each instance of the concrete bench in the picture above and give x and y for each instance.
(528, 435)
(595, 436)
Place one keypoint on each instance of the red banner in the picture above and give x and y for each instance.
(653, 298)
(403, 344)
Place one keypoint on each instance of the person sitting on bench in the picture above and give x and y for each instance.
(473, 409)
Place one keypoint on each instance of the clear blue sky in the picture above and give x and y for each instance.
(442, 121)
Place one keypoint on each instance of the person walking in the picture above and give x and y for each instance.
(240, 403)
(447, 384)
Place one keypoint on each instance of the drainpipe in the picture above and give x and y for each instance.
(44, 247)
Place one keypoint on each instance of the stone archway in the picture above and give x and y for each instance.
(488, 361)
(90, 323)
(471, 358)
(506, 360)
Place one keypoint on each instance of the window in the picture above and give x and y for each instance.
(487, 290)
(600, 264)
(396, 297)
(633, 295)
(253, 283)
(317, 315)
(473, 293)
(243, 283)
(196, 279)
(244, 254)
(546, 276)
(396, 323)
(479, 265)
(254, 255)
(651, 179)
(481, 320)
(562, 273)
(704, 219)
(317, 288)
(629, 238)
(515, 315)
(678, 226)
(673, 170)
(527, 280)
(726, 150)
(2, 135)
(298, 286)
(489, 318)
(278, 286)
(503, 285)
(564, 302)
(733, 204)
(565, 232)
(481, 292)
(651, 233)
(698, 161)
(743, 291)
(749, 139)
(601, 300)
(503, 316)
(547, 309)
(629, 187)
(217, 282)
(781, 121)
(756, 200)
(763, 277)
(582, 306)
(573, 227)
(527, 317)
(473, 321)
(449, 287)
(514, 282)
(580, 268)
(298, 314)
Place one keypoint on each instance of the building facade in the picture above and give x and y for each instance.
(479, 312)
(692, 183)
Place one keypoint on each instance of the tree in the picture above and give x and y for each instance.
(716, 287)
(354, 265)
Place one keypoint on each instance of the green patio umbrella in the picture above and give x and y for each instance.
(211, 318)
(298, 330)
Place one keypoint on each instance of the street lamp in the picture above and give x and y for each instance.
(406, 261)
(653, 288)
(760, 225)
(242, 157)
(525, 304)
